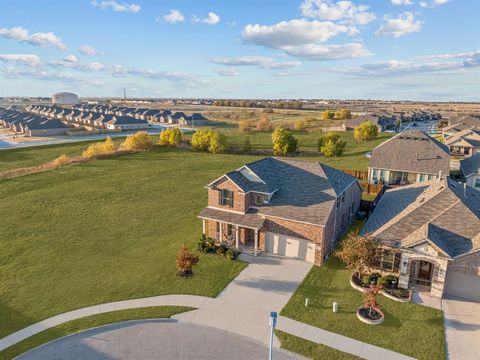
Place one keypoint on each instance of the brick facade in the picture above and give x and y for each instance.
(240, 200)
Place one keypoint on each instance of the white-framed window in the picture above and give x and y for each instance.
(226, 197)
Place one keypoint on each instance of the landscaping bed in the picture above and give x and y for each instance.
(388, 289)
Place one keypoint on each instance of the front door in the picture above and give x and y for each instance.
(424, 273)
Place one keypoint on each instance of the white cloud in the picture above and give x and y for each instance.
(15, 73)
(344, 11)
(303, 38)
(72, 62)
(41, 39)
(260, 61)
(174, 16)
(87, 50)
(117, 7)
(416, 66)
(440, 2)
(401, 2)
(211, 19)
(26, 59)
(423, 4)
(227, 72)
(401, 25)
(70, 58)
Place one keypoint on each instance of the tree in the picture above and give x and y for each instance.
(343, 114)
(264, 124)
(365, 131)
(245, 126)
(171, 136)
(185, 261)
(283, 142)
(357, 252)
(370, 298)
(328, 115)
(100, 148)
(208, 140)
(247, 146)
(139, 141)
(299, 125)
(331, 145)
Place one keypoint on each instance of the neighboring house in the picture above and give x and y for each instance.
(382, 123)
(126, 123)
(194, 119)
(470, 168)
(293, 208)
(409, 157)
(464, 143)
(46, 128)
(176, 118)
(465, 119)
(431, 235)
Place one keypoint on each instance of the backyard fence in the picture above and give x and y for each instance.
(359, 174)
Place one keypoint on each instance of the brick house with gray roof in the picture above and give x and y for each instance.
(289, 207)
(409, 157)
(432, 231)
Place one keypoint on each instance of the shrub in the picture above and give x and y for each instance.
(62, 160)
(331, 145)
(247, 146)
(264, 124)
(101, 148)
(185, 261)
(208, 140)
(299, 125)
(203, 245)
(139, 141)
(231, 254)
(387, 281)
(365, 131)
(171, 136)
(222, 249)
(343, 114)
(283, 142)
(327, 115)
(245, 126)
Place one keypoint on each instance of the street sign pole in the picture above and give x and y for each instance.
(273, 323)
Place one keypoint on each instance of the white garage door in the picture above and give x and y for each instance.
(289, 246)
(463, 285)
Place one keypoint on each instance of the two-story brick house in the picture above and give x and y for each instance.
(288, 207)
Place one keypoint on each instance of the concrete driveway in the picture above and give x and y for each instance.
(153, 339)
(462, 328)
(244, 306)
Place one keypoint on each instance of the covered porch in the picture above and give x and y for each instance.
(238, 231)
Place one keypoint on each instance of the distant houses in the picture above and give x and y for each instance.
(462, 135)
(382, 123)
(32, 124)
(470, 170)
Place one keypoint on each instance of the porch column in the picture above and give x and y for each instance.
(256, 242)
(237, 236)
(204, 226)
(221, 232)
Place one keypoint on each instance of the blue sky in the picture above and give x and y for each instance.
(384, 49)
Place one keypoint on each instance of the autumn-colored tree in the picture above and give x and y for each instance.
(185, 261)
(208, 140)
(328, 115)
(300, 125)
(245, 126)
(264, 124)
(283, 142)
(343, 114)
(357, 252)
(62, 160)
(171, 136)
(365, 131)
(100, 148)
(331, 145)
(370, 298)
(139, 141)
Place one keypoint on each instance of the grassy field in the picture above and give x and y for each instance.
(104, 231)
(410, 329)
(310, 349)
(76, 326)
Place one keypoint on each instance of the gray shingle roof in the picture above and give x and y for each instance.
(470, 165)
(303, 190)
(445, 212)
(412, 151)
(250, 219)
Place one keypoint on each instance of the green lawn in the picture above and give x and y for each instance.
(103, 231)
(408, 328)
(310, 349)
(75, 326)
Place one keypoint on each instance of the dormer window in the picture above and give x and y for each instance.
(226, 197)
(258, 199)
